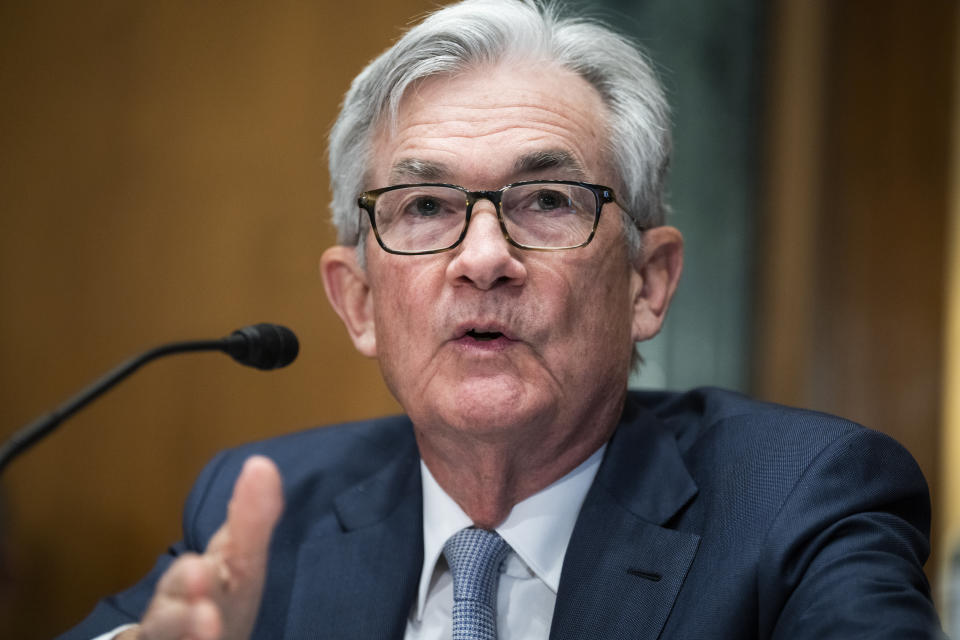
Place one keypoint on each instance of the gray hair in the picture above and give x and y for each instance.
(473, 32)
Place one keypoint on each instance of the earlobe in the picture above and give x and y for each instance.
(348, 290)
(655, 277)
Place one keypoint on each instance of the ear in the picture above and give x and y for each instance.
(349, 293)
(656, 272)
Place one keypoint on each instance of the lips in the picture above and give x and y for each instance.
(482, 330)
(483, 334)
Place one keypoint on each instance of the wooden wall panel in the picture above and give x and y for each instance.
(788, 223)
(950, 456)
(866, 327)
(882, 225)
(163, 177)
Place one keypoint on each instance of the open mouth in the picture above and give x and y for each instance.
(484, 336)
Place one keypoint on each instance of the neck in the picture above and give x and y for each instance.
(487, 477)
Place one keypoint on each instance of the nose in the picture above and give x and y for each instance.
(485, 259)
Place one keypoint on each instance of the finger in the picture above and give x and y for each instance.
(173, 618)
(254, 509)
(191, 576)
(182, 606)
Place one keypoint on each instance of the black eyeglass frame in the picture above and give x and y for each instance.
(368, 201)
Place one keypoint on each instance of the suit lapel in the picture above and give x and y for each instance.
(360, 581)
(623, 569)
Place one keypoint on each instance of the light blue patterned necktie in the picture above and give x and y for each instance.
(475, 556)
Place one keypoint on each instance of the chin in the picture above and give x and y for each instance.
(495, 405)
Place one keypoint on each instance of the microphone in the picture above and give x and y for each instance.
(264, 346)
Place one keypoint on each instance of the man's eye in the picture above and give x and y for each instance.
(425, 207)
(550, 201)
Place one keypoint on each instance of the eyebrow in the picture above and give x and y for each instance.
(414, 170)
(550, 159)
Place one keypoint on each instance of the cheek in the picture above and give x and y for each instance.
(581, 309)
(402, 309)
(605, 306)
(394, 316)
(396, 354)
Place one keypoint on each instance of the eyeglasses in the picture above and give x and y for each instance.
(545, 215)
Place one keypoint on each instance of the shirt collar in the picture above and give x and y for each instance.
(538, 529)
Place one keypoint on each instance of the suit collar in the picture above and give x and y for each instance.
(360, 579)
(373, 499)
(624, 568)
(643, 469)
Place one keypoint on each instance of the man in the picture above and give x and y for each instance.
(497, 184)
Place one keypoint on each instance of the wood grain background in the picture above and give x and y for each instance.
(163, 177)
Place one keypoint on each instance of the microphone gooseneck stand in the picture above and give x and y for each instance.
(264, 346)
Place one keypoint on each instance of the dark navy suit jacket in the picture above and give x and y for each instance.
(712, 516)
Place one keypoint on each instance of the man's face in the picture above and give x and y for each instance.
(488, 339)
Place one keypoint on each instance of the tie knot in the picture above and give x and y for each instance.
(475, 556)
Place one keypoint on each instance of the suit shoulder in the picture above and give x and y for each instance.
(315, 465)
(723, 435)
(724, 430)
(713, 413)
(333, 444)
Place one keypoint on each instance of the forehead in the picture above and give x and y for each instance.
(492, 125)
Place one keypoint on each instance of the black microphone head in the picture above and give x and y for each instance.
(264, 346)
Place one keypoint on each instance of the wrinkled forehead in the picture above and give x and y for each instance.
(494, 121)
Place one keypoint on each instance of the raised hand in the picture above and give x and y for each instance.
(215, 596)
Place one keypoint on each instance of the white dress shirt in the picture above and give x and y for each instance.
(538, 531)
